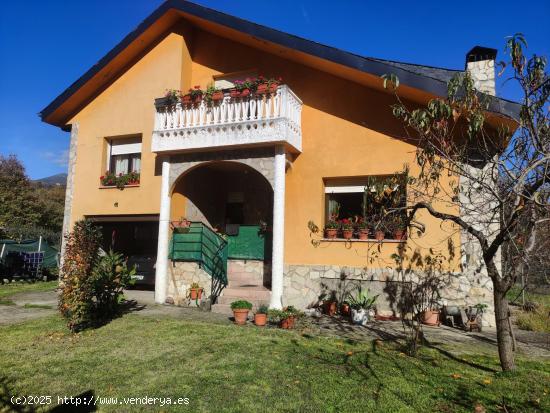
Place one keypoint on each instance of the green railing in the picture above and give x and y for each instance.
(200, 244)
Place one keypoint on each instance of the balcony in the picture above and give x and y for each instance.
(256, 120)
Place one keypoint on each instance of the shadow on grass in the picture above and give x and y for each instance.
(12, 402)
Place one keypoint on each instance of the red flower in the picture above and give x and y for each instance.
(197, 87)
(101, 177)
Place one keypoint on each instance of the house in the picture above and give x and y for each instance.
(250, 172)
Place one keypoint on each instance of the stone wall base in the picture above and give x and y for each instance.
(306, 285)
(180, 277)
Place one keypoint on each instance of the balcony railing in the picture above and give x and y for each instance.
(252, 120)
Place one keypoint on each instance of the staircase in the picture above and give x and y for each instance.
(245, 282)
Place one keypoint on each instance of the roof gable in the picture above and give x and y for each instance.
(432, 81)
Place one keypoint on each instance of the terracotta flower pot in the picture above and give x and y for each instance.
(399, 234)
(240, 315)
(234, 93)
(262, 89)
(217, 96)
(347, 233)
(287, 323)
(186, 99)
(430, 317)
(195, 293)
(379, 235)
(331, 233)
(330, 308)
(363, 234)
(260, 319)
(245, 92)
(345, 310)
(273, 87)
(198, 99)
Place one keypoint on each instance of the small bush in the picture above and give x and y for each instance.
(109, 278)
(76, 301)
(91, 285)
(241, 305)
(537, 320)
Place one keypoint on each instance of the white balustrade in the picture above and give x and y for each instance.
(270, 116)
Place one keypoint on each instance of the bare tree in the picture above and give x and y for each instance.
(499, 175)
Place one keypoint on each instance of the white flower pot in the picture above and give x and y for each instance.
(359, 317)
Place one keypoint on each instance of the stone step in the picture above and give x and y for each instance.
(256, 302)
(254, 292)
(244, 276)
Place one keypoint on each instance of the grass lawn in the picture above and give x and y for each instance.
(537, 320)
(236, 369)
(7, 290)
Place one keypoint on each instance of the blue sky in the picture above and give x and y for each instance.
(47, 45)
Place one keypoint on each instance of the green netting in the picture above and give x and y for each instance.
(202, 245)
(249, 244)
(50, 253)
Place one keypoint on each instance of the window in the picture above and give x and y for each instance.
(124, 156)
(367, 199)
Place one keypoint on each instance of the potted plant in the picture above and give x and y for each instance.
(347, 228)
(245, 87)
(186, 99)
(345, 309)
(430, 317)
(331, 228)
(267, 85)
(171, 97)
(195, 292)
(181, 226)
(240, 311)
(363, 227)
(260, 318)
(376, 224)
(213, 94)
(234, 93)
(196, 94)
(396, 225)
(361, 306)
(330, 307)
(285, 318)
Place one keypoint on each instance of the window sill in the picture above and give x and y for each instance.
(116, 187)
(371, 240)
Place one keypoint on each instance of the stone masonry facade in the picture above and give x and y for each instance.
(306, 285)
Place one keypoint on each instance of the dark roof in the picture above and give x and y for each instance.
(436, 73)
(430, 79)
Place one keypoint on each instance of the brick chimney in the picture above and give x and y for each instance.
(480, 62)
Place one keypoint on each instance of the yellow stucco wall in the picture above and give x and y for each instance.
(348, 130)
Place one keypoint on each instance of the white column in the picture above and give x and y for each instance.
(161, 272)
(277, 260)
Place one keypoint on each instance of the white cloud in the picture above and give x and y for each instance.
(60, 158)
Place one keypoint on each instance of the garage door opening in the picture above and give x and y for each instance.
(136, 238)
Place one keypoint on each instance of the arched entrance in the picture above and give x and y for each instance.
(229, 243)
(223, 195)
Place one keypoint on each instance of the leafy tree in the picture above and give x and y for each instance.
(28, 210)
(18, 204)
(502, 176)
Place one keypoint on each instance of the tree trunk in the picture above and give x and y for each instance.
(504, 333)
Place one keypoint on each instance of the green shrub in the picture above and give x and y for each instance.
(241, 305)
(109, 278)
(537, 320)
(91, 285)
(76, 301)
